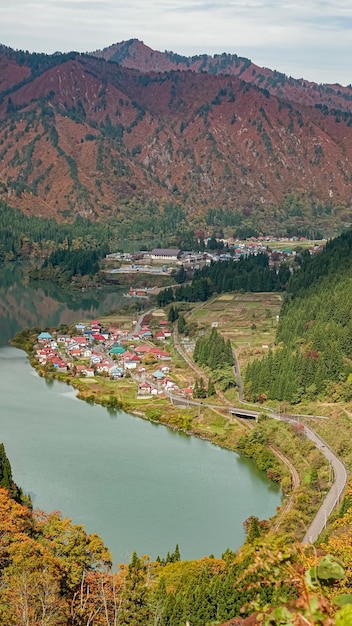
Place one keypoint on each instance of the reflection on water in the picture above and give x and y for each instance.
(29, 304)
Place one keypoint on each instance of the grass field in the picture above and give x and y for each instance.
(249, 320)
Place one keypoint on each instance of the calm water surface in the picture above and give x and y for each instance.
(139, 486)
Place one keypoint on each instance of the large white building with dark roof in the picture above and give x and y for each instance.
(165, 254)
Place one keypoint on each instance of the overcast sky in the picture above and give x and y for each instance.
(309, 39)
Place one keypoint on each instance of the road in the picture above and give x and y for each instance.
(340, 472)
(333, 496)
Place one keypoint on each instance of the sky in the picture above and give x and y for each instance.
(309, 39)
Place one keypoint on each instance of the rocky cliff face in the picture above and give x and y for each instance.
(82, 136)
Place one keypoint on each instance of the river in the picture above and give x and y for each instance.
(140, 486)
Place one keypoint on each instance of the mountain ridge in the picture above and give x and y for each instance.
(83, 136)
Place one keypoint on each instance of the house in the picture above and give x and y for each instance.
(82, 341)
(63, 366)
(146, 334)
(163, 356)
(159, 336)
(169, 384)
(44, 336)
(126, 355)
(158, 375)
(145, 388)
(99, 337)
(75, 352)
(104, 366)
(96, 358)
(143, 349)
(88, 372)
(117, 349)
(165, 254)
(65, 339)
(160, 354)
(155, 351)
(132, 362)
(167, 333)
(116, 372)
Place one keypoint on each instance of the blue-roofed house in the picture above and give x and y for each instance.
(44, 336)
(158, 375)
(116, 372)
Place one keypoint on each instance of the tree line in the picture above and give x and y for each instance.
(313, 353)
(251, 273)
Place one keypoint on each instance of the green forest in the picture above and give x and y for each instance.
(251, 273)
(312, 357)
(23, 237)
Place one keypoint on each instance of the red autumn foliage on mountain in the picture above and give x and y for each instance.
(84, 136)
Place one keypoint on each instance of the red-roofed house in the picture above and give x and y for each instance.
(75, 352)
(131, 363)
(143, 349)
(99, 337)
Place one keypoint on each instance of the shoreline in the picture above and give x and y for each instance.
(211, 425)
(196, 432)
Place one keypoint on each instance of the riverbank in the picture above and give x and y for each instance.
(133, 391)
(216, 427)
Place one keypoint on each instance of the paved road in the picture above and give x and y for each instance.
(138, 325)
(333, 496)
(339, 470)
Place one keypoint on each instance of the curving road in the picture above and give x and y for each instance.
(333, 496)
(340, 472)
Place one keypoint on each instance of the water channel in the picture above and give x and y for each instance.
(138, 485)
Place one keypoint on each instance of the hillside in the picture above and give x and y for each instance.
(136, 55)
(82, 136)
(312, 359)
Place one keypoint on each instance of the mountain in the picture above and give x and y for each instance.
(134, 54)
(81, 135)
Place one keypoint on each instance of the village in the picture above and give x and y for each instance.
(163, 261)
(115, 353)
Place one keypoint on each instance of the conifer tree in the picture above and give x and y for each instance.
(6, 479)
(211, 388)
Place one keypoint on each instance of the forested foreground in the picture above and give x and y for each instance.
(313, 354)
(53, 573)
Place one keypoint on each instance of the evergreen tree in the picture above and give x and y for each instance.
(181, 324)
(211, 388)
(6, 479)
(135, 607)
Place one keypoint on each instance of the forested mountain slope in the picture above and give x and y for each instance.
(82, 136)
(136, 55)
(313, 354)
